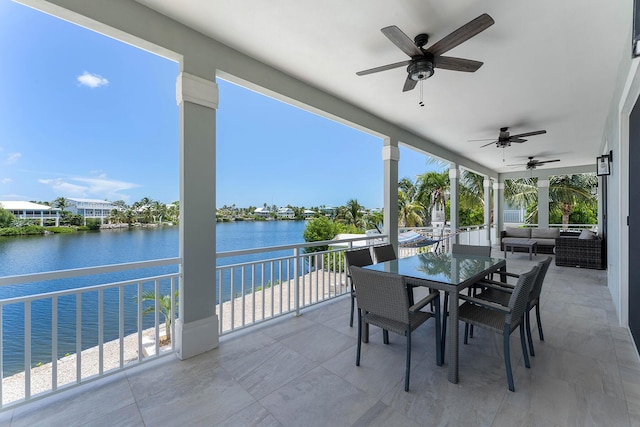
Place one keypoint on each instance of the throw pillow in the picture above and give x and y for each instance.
(587, 235)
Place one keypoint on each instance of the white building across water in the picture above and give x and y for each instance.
(90, 208)
(32, 211)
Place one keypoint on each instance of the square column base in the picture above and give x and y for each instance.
(196, 337)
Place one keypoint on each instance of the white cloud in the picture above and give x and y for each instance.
(6, 181)
(99, 187)
(92, 80)
(12, 158)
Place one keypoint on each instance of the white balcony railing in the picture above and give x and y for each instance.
(53, 340)
(250, 292)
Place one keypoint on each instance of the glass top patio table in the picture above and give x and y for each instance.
(449, 273)
(445, 269)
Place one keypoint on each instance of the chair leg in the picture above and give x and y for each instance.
(527, 318)
(408, 368)
(439, 344)
(466, 332)
(445, 314)
(385, 336)
(539, 324)
(507, 358)
(523, 342)
(353, 301)
(359, 337)
(471, 331)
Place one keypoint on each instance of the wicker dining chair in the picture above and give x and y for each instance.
(358, 258)
(384, 253)
(500, 292)
(470, 250)
(502, 319)
(383, 301)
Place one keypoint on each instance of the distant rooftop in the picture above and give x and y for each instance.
(16, 205)
(76, 199)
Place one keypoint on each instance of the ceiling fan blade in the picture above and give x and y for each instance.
(382, 68)
(462, 34)
(548, 161)
(401, 40)
(537, 132)
(518, 140)
(492, 142)
(457, 64)
(409, 84)
(484, 139)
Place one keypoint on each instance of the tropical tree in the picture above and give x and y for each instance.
(433, 188)
(6, 218)
(410, 211)
(353, 214)
(164, 305)
(61, 203)
(565, 191)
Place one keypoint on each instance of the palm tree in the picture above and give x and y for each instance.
(410, 212)
(433, 188)
(567, 190)
(353, 213)
(61, 203)
(164, 304)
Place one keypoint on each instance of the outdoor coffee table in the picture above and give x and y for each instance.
(532, 245)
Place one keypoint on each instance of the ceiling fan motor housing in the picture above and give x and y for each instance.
(421, 67)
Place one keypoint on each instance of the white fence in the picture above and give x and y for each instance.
(57, 339)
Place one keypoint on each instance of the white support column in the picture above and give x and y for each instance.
(454, 174)
(543, 203)
(390, 158)
(487, 208)
(197, 326)
(498, 203)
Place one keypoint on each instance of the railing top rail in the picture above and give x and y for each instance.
(298, 245)
(83, 290)
(85, 271)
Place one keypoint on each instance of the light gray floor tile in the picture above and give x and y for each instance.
(318, 398)
(255, 415)
(318, 343)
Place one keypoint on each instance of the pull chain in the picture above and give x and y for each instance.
(421, 93)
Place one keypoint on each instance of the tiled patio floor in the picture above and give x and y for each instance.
(300, 371)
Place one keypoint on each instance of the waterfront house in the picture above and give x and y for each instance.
(90, 208)
(565, 67)
(262, 212)
(40, 214)
(286, 212)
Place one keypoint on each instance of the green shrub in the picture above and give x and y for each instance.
(61, 230)
(93, 223)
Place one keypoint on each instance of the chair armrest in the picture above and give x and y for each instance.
(424, 301)
(487, 304)
(492, 283)
(497, 287)
(506, 273)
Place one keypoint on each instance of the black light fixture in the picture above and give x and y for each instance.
(603, 164)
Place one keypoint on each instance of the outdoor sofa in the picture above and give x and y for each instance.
(544, 237)
(585, 250)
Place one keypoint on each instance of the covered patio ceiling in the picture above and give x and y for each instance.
(547, 65)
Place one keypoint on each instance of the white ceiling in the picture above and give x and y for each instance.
(548, 64)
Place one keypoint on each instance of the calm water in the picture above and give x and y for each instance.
(23, 255)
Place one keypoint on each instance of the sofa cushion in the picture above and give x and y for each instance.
(545, 233)
(587, 235)
(521, 233)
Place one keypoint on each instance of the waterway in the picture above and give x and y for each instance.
(33, 254)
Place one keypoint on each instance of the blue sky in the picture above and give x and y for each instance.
(83, 115)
